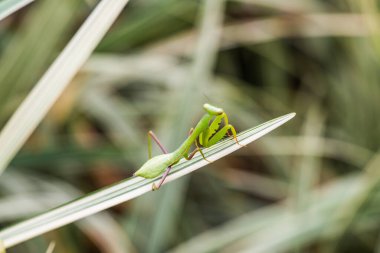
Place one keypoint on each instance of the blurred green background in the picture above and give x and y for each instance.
(310, 186)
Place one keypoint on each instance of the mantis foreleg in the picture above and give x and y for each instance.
(223, 131)
(230, 127)
(210, 131)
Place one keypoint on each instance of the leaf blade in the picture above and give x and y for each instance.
(127, 189)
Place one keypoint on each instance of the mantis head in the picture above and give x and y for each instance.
(213, 110)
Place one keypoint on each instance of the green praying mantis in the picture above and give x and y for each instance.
(206, 133)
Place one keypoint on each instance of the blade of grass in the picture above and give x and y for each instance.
(51, 85)
(288, 6)
(167, 16)
(127, 189)
(276, 228)
(307, 173)
(36, 195)
(330, 215)
(303, 26)
(171, 202)
(51, 247)
(26, 57)
(325, 147)
(307, 167)
(7, 7)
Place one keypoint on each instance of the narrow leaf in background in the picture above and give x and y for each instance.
(7, 7)
(51, 85)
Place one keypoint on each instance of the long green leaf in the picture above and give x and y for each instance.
(127, 189)
(7, 7)
(57, 77)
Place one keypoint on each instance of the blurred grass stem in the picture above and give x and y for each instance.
(270, 29)
(7, 7)
(57, 77)
(204, 55)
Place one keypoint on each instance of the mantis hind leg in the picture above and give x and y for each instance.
(166, 173)
(151, 136)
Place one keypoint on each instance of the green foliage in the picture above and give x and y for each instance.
(311, 187)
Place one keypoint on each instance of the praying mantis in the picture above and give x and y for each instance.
(206, 133)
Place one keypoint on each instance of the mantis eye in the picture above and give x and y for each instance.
(213, 110)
